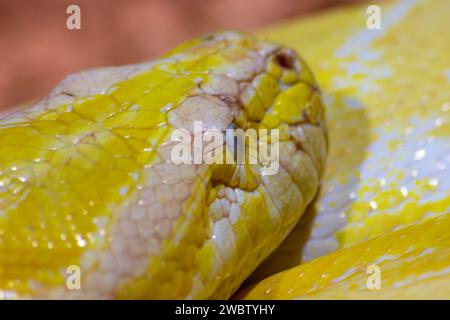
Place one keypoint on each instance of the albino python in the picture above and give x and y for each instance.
(87, 179)
(154, 230)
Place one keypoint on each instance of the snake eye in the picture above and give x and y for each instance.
(285, 60)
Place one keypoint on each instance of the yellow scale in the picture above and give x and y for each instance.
(387, 181)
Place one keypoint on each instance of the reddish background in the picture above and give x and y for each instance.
(36, 49)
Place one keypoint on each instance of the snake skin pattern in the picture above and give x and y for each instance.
(86, 177)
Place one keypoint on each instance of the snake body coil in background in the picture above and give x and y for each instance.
(384, 202)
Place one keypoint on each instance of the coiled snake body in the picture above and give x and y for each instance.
(86, 177)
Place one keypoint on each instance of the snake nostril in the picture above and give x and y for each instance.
(285, 60)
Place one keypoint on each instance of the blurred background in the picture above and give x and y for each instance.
(37, 50)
